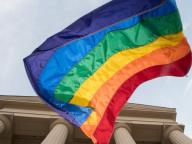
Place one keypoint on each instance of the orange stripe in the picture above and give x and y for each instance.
(104, 95)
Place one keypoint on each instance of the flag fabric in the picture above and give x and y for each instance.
(88, 71)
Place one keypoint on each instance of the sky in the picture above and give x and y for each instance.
(24, 25)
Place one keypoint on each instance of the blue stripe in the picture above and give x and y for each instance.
(73, 113)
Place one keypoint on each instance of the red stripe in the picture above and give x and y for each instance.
(105, 128)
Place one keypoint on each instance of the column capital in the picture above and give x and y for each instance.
(170, 129)
(59, 132)
(64, 122)
(122, 134)
(123, 125)
(175, 135)
(5, 124)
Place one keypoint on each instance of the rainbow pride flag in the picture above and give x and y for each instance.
(88, 71)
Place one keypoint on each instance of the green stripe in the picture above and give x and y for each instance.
(141, 34)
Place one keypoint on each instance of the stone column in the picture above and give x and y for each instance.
(176, 136)
(122, 135)
(2, 126)
(5, 124)
(59, 132)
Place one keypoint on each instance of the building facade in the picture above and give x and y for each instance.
(26, 120)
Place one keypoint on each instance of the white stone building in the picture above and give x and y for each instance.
(26, 120)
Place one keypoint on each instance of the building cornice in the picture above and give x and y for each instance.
(132, 110)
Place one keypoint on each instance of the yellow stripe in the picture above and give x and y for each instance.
(87, 90)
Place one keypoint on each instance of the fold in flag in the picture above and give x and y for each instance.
(88, 71)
